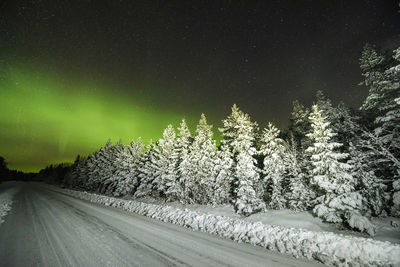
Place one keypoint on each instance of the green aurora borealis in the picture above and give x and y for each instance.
(75, 73)
(46, 119)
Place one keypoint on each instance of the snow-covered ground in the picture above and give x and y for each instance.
(6, 197)
(386, 229)
(312, 242)
(49, 228)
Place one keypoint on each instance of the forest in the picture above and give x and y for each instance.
(342, 165)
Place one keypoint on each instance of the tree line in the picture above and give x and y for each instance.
(342, 165)
(14, 175)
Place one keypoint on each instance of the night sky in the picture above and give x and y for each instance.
(75, 73)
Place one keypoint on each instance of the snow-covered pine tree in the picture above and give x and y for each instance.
(110, 180)
(166, 173)
(338, 202)
(73, 177)
(385, 164)
(197, 167)
(327, 164)
(187, 177)
(177, 165)
(342, 121)
(389, 117)
(372, 66)
(127, 165)
(239, 137)
(390, 126)
(383, 80)
(82, 174)
(247, 201)
(324, 104)
(92, 181)
(101, 168)
(299, 125)
(299, 194)
(223, 176)
(273, 150)
(118, 176)
(371, 187)
(345, 124)
(230, 129)
(137, 150)
(147, 171)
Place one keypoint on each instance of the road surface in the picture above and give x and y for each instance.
(47, 228)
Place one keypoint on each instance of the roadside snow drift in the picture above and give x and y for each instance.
(328, 248)
(6, 201)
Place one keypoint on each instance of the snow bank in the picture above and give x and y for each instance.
(6, 201)
(328, 248)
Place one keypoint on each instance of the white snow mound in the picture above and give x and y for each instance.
(6, 202)
(326, 247)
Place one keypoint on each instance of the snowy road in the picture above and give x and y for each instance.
(47, 228)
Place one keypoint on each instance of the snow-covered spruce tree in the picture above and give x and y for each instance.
(239, 137)
(73, 178)
(101, 170)
(390, 126)
(389, 117)
(100, 167)
(338, 202)
(383, 80)
(165, 176)
(372, 65)
(92, 181)
(273, 150)
(147, 171)
(223, 176)
(299, 125)
(341, 119)
(370, 186)
(82, 172)
(197, 167)
(177, 166)
(386, 166)
(136, 150)
(96, 166)
(345, 124)
(324, 104)
(127, 165)
(187, 170)
(110, 180)
(328, 111)
(299, 194)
